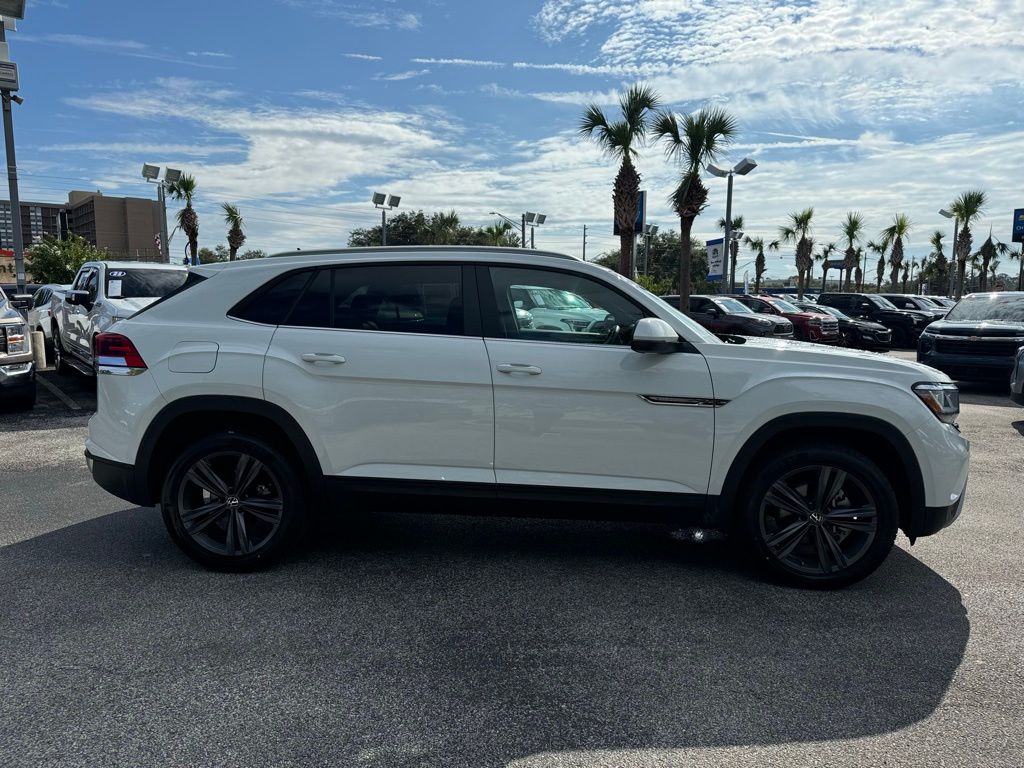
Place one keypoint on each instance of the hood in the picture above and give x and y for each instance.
(866, 325)
(128, 307)
(9, 313)
(848, 363)
(977, 328)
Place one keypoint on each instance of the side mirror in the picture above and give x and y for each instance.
(518, 304)
(653, 334)
(78, 298)
(713, 311)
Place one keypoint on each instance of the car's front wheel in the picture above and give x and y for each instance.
(233, 502)
(60, 363)
(819, 517)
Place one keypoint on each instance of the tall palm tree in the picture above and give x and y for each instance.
(894, 236)
(442, 228)
(993, 267)
(734, 246)
(987, 252)
(236, 237)
(619, 141)
(858, 272)
(906, 275)
(500, 233)
(966, 210)
(798, 231)
(826, 251)
(880, 249)
(757, 245)
(185, 189)
(939, 264)
(852, 228)
(692, 141)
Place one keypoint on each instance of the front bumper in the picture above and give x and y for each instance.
(17, 377)
(122, 480)
(935, 519)
(968, 367)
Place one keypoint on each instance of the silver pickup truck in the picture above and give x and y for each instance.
(17, 371)
(102, 293)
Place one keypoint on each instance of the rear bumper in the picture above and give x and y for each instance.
(122, 480)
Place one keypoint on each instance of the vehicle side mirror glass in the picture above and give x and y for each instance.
(713, 311)
(78, 298)
(653, 334)
(519, 304)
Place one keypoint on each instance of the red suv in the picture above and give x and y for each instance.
(818, 327)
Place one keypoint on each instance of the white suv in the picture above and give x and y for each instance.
(265, 390)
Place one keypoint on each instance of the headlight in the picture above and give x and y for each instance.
(927, 341)
(942, 399)
(17, 341)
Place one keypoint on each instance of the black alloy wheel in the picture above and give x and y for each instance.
(233, 503)
(821, 517)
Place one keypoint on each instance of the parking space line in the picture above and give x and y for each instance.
(56, 392)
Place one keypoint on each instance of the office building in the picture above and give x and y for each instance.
(125, 227)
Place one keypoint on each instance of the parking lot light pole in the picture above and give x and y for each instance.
(151, 173)
(379, 202)
(521, 224)
(955, 262)
(743, 167)
(12, 10)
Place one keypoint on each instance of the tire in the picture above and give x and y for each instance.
(899, 338)
(783, 498)
(60, 363)
(25, 401)
(205, 476)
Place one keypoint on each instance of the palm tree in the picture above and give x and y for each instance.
(858, 272)
(894, 236)
(692, 141)
(757, 245)
(798, 230)
(966, 209)
(939, 264)
(906, 275)
(619, 140)
(826, 251)
(734, 247)
(992, 267)
(500, 233)
(987, 252)
(185, 189)
(236, 237)
(853, 228)
(442, 228)
(880, 249)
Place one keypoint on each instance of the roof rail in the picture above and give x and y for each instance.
(396, 249)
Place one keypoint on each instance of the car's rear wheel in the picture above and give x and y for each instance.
(820, 517)
(232, 502)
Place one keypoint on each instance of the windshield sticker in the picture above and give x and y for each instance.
(114, 287)
(117, 273)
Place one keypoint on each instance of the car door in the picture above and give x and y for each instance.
(580, 409)
(384, 367)
(76, 313)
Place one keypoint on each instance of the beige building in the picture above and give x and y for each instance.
(126, 227)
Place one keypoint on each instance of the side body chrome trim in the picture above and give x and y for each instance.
(691, 402)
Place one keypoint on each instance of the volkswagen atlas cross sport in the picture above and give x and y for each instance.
(263, 390)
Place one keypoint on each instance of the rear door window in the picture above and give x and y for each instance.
(411, 298)
(135, 283)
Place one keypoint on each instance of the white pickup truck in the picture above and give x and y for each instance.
(102, 293)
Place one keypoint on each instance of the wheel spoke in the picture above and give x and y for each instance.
(229, 538)
(785, 541)
(264, 512)
(240, 532)
(828, 551)
(830, 482)
(203, 475)
(246, 472)
(834, 548)
(195, 520)
(786, 499)
(861, 519)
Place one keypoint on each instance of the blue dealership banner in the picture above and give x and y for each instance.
(716, 258)
(641, 216)
(1018, 225)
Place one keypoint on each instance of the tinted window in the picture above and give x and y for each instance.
(314, 308)
(404, 299)
(143, 283)
(92, 285)
(783, 306)
(732, 306)
(843, 302)
(582, 310)
(997, 309)
(879, 301)
(272, 304)
(42, 297)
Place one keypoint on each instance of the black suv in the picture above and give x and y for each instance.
(725, 315)
(858, 334)
(979, 337)
(906, 325)
(910, 301)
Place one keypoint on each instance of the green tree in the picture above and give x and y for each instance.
(236, 237)
(253, 253)
(662, 263)
(53, 260)
(852, 228)
(879, 248)
(938, 266)
(893, 237)
(734, 247)
(798, 230)
(619, 140)
(185, 189)
(405, 228)
(823, 257)
(757, 245)
(501, 234)
(966, 209)
(692, 141)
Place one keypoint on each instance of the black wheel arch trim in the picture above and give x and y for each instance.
(915, 521)
(223, 404)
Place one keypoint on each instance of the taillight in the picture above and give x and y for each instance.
(115, 350)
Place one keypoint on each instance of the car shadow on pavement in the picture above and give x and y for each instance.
(423, 640)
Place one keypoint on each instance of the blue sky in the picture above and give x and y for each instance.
(298, 109)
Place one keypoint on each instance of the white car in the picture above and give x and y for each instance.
(267, 390)
(102, 293)
(44, 303)
(555, 310)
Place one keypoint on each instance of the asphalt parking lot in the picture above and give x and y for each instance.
(403, 640)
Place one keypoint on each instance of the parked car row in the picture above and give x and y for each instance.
(979, 339)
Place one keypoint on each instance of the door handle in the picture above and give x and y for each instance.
(532, 370)
(322, 357)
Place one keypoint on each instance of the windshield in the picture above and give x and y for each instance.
(732, 306)
(997, 309)
(822, 309)
(784, 306)
(881, 301)
(698, 330)
(551, 298)
(143, 283)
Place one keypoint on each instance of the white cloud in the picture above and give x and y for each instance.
(211, 54)
(362, 56)
(460, 62)
(408, 75)
(116, 46)
(360, 14)
(145, 148)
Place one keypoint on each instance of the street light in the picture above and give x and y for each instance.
(14, 9)
(956, 261)
(742, 168)
(151, 173)
(379, 202)
(534, 220)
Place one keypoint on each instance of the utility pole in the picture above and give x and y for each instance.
(585, 243)
(728, 236)
(12, 173)
(522, 233)
(383, 227)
